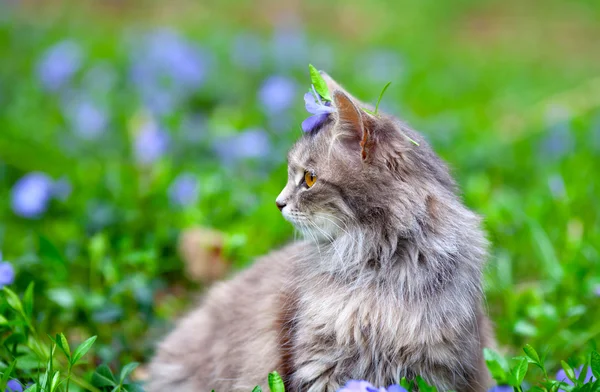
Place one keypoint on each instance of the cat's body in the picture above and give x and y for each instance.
(387, 285)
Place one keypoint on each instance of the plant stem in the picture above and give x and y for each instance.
(68, 376)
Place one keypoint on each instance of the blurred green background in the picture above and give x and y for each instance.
(127, 125)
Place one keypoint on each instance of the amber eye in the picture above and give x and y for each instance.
(309, 179)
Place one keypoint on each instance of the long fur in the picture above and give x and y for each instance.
(387, 283)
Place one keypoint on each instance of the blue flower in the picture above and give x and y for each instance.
(58, 65)
(364, 386)
(86, 118)
(318, 108)
(14, 386)
(250, 144)
(7, 273)
(597, 290)
(31, 194)
(277, 94)
(562, 376)
(501, 388)
(167, 70)
(184, 190)
(151, 143)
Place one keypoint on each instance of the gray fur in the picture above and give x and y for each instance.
(388, 283)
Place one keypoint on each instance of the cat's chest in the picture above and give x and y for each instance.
(357, 317)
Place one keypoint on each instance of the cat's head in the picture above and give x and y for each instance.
(358, 170)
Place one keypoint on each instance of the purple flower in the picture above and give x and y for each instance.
(87, 119)
(58, 65)
(277, 94)
(184, 190)
(251, 143)
(151, 143)
(597, 290)
(7, 273)
(247, 51)
(396, 388)
(364, 386)
(318, 108)
(14, 386)
(501, 388)
(31, 195)
(562, 376)
(167, 70)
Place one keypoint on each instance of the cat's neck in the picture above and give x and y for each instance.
(416, 265)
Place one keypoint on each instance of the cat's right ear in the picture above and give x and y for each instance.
(353, 125)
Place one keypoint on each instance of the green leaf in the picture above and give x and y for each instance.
(3, 320)
(50, 252)
(28, 300)
(257, 389)
(33, 388)
(275, 382)
(404, 383)
(595, 364)
(369, 111)
(413, 141)
(82, 349)
(55, 381)
(496, 364)
(520, 370)
(126, 371)
(103, 377)
(38, 348)
(424, 386)
(133, 388)
(64, 345)
(13, 300)
(381, 96)
(320, 85)
(7, 373)
(531, 353)
(568, 371)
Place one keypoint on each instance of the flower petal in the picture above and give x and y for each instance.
(396, 388)
(309, 102)
(325, 109)
(313, 122)
(356, 386)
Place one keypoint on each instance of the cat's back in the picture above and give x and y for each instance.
(237, 320)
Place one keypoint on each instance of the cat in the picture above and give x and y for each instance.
(387, 283)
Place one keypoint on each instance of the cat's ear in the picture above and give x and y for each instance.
(353, 124)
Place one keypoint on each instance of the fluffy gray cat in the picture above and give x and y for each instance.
(387, 283)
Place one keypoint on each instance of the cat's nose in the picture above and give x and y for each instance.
(280, 204)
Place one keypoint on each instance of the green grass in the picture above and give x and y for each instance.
(507, 92)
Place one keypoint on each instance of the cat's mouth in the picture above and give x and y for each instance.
(319, 227)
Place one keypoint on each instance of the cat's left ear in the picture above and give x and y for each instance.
(353, 124)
